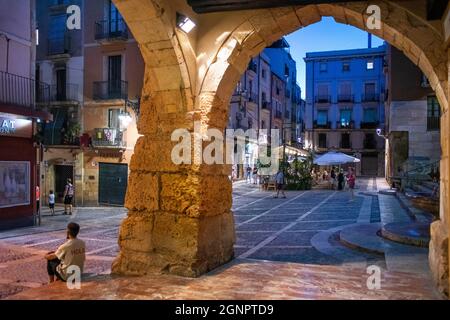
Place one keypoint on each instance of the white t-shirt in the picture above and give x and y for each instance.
(71, 253)
(51, 198)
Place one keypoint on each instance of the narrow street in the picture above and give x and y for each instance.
(302, 233)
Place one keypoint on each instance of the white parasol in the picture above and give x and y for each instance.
(334, 158)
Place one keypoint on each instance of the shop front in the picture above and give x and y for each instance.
(18, 171)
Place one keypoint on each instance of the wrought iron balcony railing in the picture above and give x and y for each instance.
(65, 93)
(345, 125)
(24, 92)
(106, 90)
(369, 125)
(111, 30)
(59, 45)
(108, 138)
(345, 98)
(326, 125)
(370, 97)
(323, 99)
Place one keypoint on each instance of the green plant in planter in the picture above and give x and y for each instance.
(299, 174)
(72, 133)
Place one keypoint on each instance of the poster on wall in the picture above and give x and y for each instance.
(14, 183)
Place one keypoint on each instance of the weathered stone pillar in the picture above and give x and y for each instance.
(439, 245)
(179, 219)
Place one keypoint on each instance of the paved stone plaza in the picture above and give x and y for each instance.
(287, 238)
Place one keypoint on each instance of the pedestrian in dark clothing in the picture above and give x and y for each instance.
(341, 180)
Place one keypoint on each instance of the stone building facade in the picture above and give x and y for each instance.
(344, 105)
(96, 80)
(412, 118)
(266, 98)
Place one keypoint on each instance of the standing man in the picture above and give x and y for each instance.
(279, 179)
(70, 254)
(351, 181)
(68, 196)
(249, 174)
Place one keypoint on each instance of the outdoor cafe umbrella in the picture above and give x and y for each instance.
(334, 158)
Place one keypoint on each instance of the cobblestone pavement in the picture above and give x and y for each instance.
(299, 231)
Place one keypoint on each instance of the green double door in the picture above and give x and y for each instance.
(112, 185)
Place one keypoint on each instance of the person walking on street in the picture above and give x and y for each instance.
(249, 175)
(341, 180)
(333, 179)
(51, 202)
(351, 180)
(255, 175)
(38, 199)
(279, 179)
(69, 191)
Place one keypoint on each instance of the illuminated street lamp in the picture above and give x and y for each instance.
(125, 118)
(184, 23)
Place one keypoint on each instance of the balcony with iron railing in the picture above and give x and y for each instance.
(346, 98)
(111, 30)
(23, 92)
(323, 99)
(65, 93)
(345, 125)
(112, 138)
(109, 90)
(369, 125)
(59, 45)
(326, 125)
(370, 97)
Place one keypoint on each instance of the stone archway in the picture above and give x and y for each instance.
(180, 218)
(421, 42)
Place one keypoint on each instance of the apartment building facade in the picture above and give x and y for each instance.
(101, 70)
(260, 101)
(22, 104)
(344, 105)
(60, 63)
(412, 118)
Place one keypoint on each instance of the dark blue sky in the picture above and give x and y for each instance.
(326, 35)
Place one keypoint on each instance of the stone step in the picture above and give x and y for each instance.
(430, 185)
(416, 214)
(364, 237)
(415, 234)
(388, 192)
(422, 189)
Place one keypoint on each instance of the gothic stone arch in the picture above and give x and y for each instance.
(180, 218)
